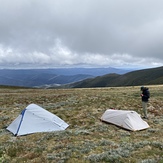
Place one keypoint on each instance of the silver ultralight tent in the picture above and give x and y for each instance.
(36, 119)
(129, 120)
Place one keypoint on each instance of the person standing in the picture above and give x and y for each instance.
(145, 95)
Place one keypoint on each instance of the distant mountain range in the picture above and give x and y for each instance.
(140, 77)
(80, 77)
(52, 77)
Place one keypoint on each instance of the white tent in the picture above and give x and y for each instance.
(130, 120)
(36, 119)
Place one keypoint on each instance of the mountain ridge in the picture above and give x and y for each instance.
(133, 78)
(41, 77)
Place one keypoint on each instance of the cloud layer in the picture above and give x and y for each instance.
(119, 33)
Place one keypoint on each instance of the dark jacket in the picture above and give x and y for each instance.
(145, 95)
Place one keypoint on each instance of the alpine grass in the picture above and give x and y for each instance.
(87, 139)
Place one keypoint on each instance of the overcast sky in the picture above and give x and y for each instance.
(81, 33)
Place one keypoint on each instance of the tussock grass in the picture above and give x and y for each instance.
(87, 139)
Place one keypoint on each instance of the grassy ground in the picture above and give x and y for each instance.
(87, 139)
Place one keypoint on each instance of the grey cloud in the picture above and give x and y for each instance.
(86, 28)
